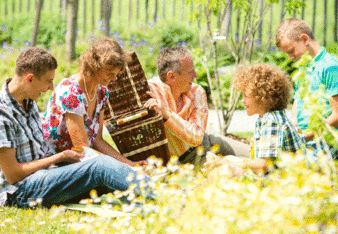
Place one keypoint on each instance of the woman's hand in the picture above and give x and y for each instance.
(70, 156)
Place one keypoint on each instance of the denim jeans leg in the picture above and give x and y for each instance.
(58, 185)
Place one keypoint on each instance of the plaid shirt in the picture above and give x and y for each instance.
(187, 127)
(275, 133)
(20, 130)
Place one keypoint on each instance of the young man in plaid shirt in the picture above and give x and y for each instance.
(24, 168)
(266, 91)
(185, 109)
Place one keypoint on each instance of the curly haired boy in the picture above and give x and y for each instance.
(266, 91)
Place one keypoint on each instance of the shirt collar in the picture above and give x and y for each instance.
(11, 102)
(319, 55)
(168, 90)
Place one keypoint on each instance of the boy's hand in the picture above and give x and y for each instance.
(71, 156)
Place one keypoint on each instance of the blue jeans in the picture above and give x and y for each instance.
(57, 185)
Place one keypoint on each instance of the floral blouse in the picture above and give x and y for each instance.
(69, 98)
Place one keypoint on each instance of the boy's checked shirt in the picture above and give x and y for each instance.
(275, 133)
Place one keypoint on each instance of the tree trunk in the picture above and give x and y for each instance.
(146, 7)
(271, 17)
(238, 21)
(336, 21)
(182, 12)
(13, 7)
(84, 20)
(174, 8)
(163, 9)
(191, 10)
(102, 9)
(155, 11)
(227, 20)
(20, 6)
(93, 14)
(6, 7)
(260, 30)
(325, 20)
(130, 12)
(314, 17)
(303, 11)
(72, 8)
(119, 10)
(282, 12)
(36, 23)
(107, 15)
(64, 7)
(137, 10)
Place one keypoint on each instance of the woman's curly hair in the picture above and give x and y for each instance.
(267, 83)
(101, 53)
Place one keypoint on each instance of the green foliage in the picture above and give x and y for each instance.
(175, 34)
(52, 30)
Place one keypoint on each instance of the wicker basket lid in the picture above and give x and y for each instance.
(128, 91)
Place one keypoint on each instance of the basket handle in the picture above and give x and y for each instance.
(134, 88)
(132, 117)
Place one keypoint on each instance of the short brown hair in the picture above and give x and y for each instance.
(170, 59)
(101, 53)
(35, 60)
(292, 28)
(267, 83)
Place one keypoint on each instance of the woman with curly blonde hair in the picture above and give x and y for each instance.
(266, 92)
(74, 115)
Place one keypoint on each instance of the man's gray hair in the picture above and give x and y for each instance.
(170, 59)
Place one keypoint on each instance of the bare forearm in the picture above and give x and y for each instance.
(103, 147)
(25, 169)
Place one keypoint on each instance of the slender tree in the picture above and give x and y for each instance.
(84, 20)
(37, 21)
(163, 9)
(260, 29)
(119, 10)
(102, 9)
(20, 6)
(155, 10)
(325, 20)
(303, 11)
(182, 11)
(6, 7)
(13, 7)
(93, 14)
(72, 8)
(130, 12)
(137, 10)
(146, 7)
(314, 16)
(282, 11)
(174, 8)
(336, 21)
(227, 18)
(107, 15)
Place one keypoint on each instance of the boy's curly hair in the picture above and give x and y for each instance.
(101, 53)
(267, 83)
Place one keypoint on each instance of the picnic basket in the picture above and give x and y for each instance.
(137, 132)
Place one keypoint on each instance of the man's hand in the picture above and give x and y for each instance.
(157, 104)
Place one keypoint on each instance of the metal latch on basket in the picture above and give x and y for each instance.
(132, 117)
